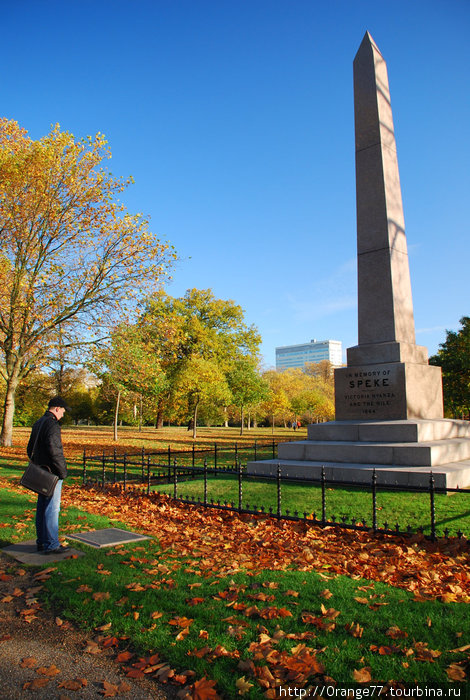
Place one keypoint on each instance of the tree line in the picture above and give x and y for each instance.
(190, 360)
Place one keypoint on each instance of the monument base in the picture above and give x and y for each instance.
(402, 452)
(388, 391)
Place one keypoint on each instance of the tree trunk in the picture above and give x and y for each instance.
(140, 415)
(243, 420)
(273, 426)
(9, 410)
(159, 415)
(60, 379)
(195, 421)
(226, 419)
(116, 415)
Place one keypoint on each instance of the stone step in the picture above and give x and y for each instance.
(453, 475)
(390, 431)
(403, 454)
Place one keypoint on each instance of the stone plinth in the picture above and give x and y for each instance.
(452, 475)
(388, 391)
(403, 452)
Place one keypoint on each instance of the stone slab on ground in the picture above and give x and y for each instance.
(26, 553)
(107, 537)
(454, 475)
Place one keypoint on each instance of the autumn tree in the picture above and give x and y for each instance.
(196, 336)
(130, 364)
(71, 256)
(276, 404)
(297, 393)
(199, 381)
(454, 358)
(247, 386)
(323, 370)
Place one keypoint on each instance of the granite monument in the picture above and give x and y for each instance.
(388, 399)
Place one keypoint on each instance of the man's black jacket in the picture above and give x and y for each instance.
(48, 449)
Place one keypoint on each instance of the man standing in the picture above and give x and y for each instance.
(45, 448)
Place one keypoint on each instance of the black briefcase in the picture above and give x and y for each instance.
(39, 479)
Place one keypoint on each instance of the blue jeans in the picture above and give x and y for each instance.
(47, 519)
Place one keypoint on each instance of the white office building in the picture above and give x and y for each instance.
(290, 356)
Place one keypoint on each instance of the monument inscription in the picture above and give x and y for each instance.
(369, 391)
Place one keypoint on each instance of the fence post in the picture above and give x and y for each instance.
(114, 466)
(193, 456)
(124, 464)
(278, 515)
(148, 475)
(374, 500)
(215, 455)
(240, 487)
(143, 463)
(205, 482)
(103, 469)
(433, 510)
(323, 497)
(236, 453)
(175, 479)
(84, 466)
(256, 456)
(274, 450)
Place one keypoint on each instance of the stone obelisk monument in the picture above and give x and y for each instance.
(387, 375)
(388, 399)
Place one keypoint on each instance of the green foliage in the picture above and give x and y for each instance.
(31, 398)
(248, 388)
(454, 358)
(130, 362)
(199, 381)
(197, 339)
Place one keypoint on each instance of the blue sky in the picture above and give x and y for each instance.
(235, 117)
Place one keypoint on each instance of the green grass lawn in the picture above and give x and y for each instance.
(145, 591)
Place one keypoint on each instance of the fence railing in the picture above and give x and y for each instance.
(216, 454)
(150, 475)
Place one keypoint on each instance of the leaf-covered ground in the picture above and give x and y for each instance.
(224, 543)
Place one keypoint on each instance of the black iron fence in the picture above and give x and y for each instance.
(120, 470)
(218, 456)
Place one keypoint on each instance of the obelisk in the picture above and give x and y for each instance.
(388, 399)
(387, 376)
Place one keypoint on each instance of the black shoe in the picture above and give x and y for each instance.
(57, 550)
(39, 548)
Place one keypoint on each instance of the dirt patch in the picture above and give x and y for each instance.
(44, 657)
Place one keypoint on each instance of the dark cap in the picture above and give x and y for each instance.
(59, 402)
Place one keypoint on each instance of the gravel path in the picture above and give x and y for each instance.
(55, 652)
